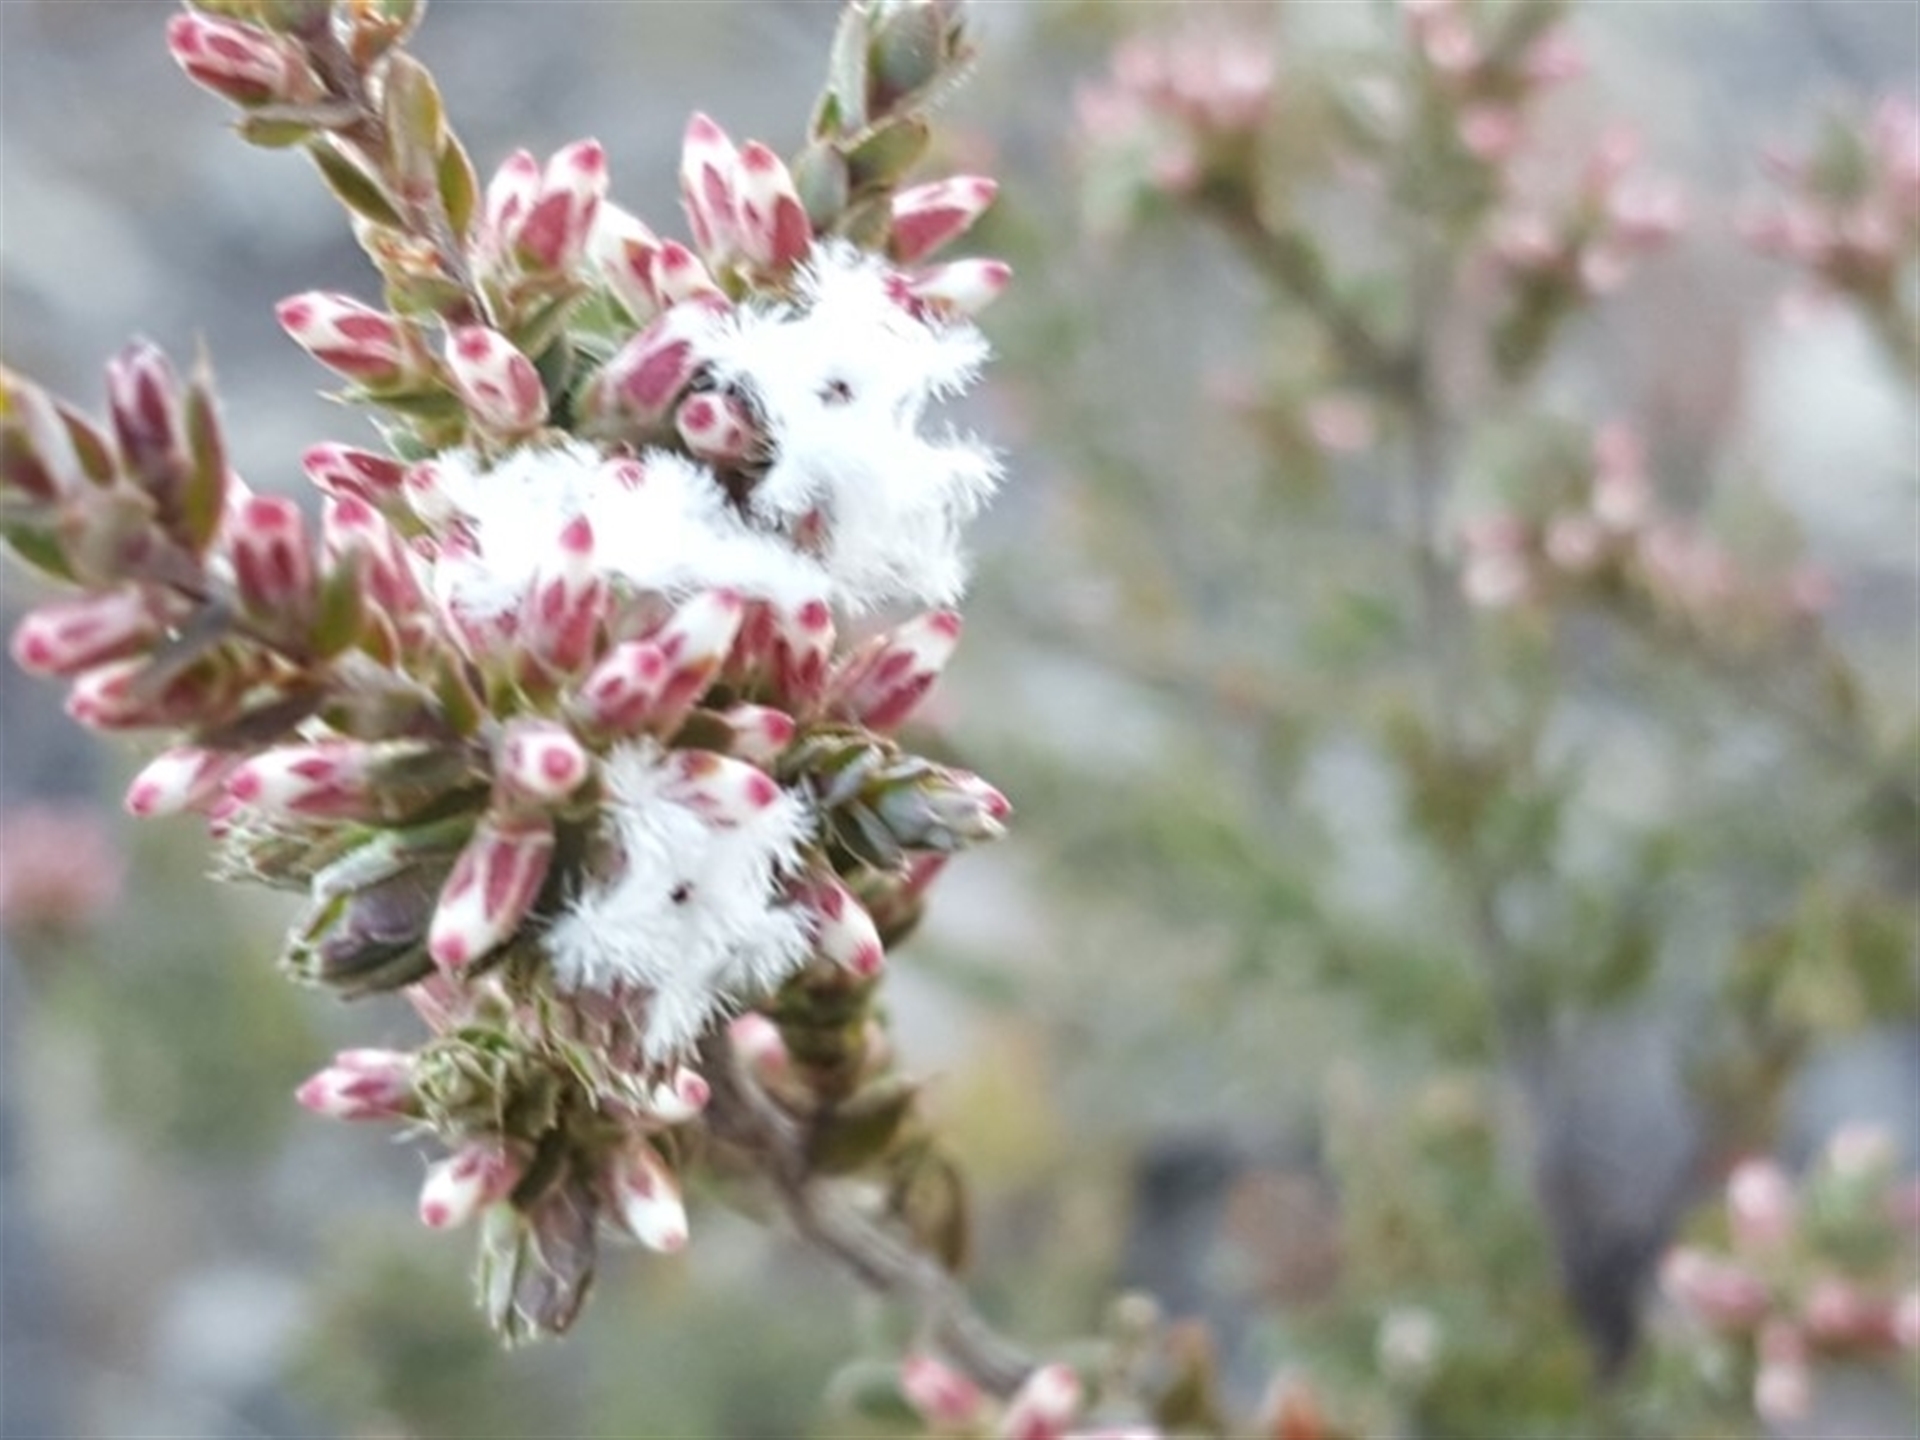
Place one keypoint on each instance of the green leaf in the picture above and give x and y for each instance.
(459, 185)
(884, 157)
(203, 496)
(844, 107)
(352, 186)
(416, 129)
(341, 611)
(271, 132)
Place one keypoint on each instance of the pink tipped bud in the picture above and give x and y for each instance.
(554, 233)
(183, 778)
(330, 779)
(626, 252)
(761, 733)
(1906, 1322)
(946, 1399)
(567, 602)
(1839, 1313)
(351, 527)
(480, 1173)
(648, 375)
(341, 470)
(511, 194)
(725, 792)
(622, 693)
(710, 187)
(962, 287)
(539, 762)
(1720, 1294)
(882, 683)
(362, 1085)
(1044, 1407)
(65, 637)
(696, 640)
(756, 1040)
(143, 400)
(1761, 1206)
(238, 62)
(499, 385)
(1783, 1383)
(773, 227)
(927, 217)
(843, 932)
(645, 1194)
(716, 427)
(679, 275)
(273, 570)
(121, 695)
(493, 885)
(799, 646)
(355, 340)
(679, 1098)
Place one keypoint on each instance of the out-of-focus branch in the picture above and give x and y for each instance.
(741, 1113)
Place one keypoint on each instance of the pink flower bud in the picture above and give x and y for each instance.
(539, 763)
(65, 637)
(493, 885)
(647, 375)
(1761, 1206)
(1906, 1322)
(723, 791)
(946, 1399)
(351, 527)
(927, 217)
(1718, 1293)
(709, 187)
(622, 693)
(761, 733)
(880, 684)
(266, 539)
(554, 233)
(329, 779)
(511, 194)
(355, 340)
(567, 602)
(361, 1085)
(1554, 58)
(964, 287)
(122, 695)
(182, 778)
(774, 231)
(1839, 1313)
(143, 401)
(499, 385)
(242, 64)
(716, 427)
(679, 1098)
(1044, 1407)
(626, 252)
(341, 470)
(756, 1040)
(843, 932)
(1783, 1383)
(645, 1194)
(679, 275)
(1490, 132)
(696, 640)
(799, 645)
(480, 1173)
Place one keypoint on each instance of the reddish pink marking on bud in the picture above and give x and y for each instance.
(435, 1214)
(761, 792)
(577, 537)
(295, 314)
(814, 615)
(700, 411)
(473, 342)
(245, 787)
(451, 952)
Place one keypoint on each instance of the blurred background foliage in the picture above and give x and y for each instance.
(1379, 980)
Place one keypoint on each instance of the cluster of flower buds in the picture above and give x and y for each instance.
(1850, 214)
(1177, 110)
(555, 730)
(1827, 1268)
(1611, 540)
(1483, 68)
(59, 869)
(1558, 261)
(1048, 1406)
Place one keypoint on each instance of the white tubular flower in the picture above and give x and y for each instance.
(840, 383)
(693, 913)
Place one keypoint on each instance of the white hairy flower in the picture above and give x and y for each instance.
(694, 914)
(841, 381)
(661, 523)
